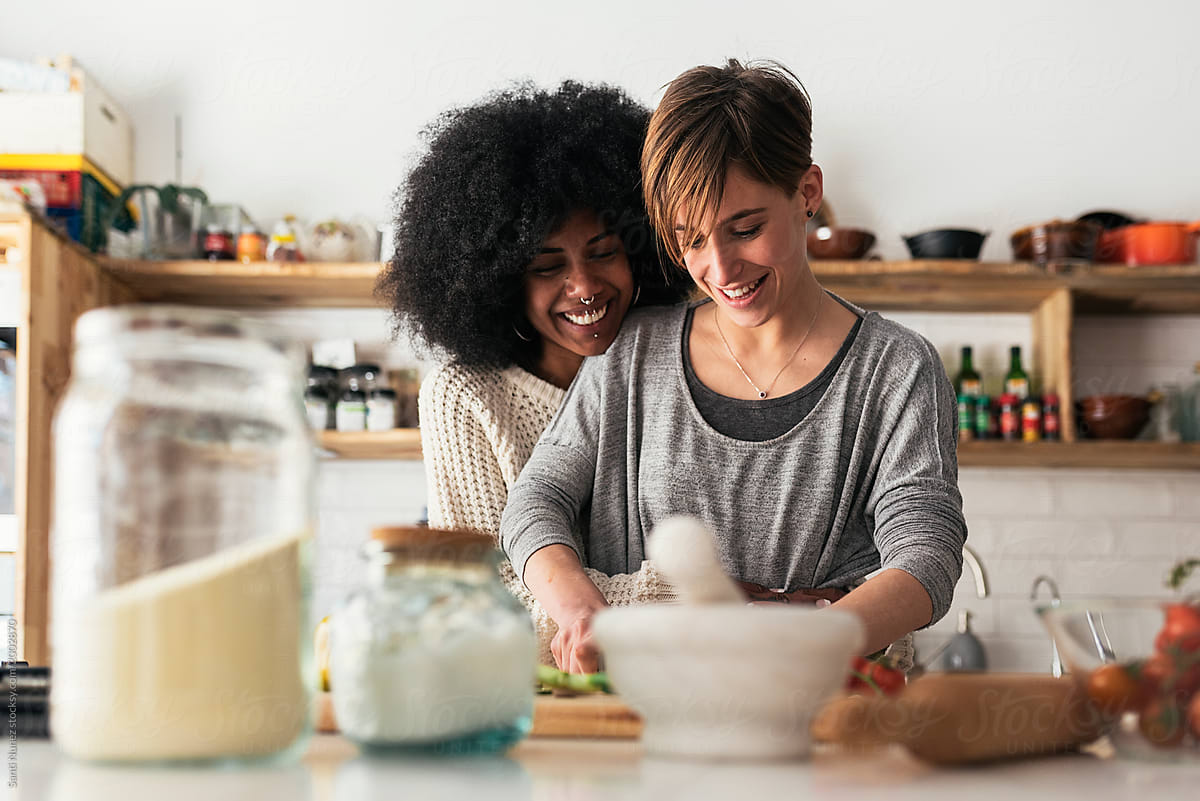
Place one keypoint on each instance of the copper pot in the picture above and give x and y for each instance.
(1056, 242)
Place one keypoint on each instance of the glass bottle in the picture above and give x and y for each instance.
(968, 381)
(433, 653)
(183, 512)
(1017, 380)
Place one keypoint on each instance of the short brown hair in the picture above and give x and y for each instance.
(757, 116)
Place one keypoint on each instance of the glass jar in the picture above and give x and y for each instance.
(381, 410)
(320, 397)
(183, 511)
(351, 411)
(433, 653)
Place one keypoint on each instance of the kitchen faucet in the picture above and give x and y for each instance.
(1056, 669)
(972, 561)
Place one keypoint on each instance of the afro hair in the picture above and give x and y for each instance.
(497, 178)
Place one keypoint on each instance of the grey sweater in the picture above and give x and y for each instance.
(868, 478)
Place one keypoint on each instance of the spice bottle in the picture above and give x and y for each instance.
(966, 418)
(1051, 419)
(352, 404)
(218, 244)
(1031, 419)
(983, 418)
(251, 245)
(381, 409)
(1010, 417)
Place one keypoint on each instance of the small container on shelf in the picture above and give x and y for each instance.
(1010, 417)
(1051, 418)
(966, 418)
(218, 243)
(984, 423)
(251, 245)
(321, 397)
(1031, 419)
(351, 412)
(283, 244)
(381, 409)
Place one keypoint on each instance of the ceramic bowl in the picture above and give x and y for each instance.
(946, 243)
(1113, 416)
(1144, 682)
(727, 681)
(835, 242)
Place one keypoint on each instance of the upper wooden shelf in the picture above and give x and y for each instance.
(885, 285)
(1086, 454)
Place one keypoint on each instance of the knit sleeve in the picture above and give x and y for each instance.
(465, 484)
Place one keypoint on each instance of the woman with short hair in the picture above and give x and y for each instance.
(817, 439)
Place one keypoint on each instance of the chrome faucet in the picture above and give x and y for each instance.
(1056, 668)
(972, 561)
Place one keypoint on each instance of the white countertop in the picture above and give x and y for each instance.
(581, 770)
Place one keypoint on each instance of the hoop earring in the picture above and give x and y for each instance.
(637, 293)
(517, 331)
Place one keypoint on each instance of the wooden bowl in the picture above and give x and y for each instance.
(836, 242)
(1114, 416)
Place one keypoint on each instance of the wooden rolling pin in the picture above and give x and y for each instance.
(956, 718)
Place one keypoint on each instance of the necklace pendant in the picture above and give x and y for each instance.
(761, 394)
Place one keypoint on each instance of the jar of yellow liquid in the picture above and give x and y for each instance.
(183, 509)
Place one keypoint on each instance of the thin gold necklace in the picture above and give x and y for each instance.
(762, 393)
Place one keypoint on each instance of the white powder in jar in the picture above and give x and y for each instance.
(197, 661)
(446, 677)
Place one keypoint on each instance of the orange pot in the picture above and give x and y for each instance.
(1151, 243)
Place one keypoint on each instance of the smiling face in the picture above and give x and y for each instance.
(581, 260)
(752, 262)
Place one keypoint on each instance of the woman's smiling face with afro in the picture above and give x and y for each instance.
(522, 172)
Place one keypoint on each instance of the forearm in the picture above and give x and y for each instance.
(890, 605)
(556, 578)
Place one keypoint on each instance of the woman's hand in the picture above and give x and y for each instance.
(573, 647)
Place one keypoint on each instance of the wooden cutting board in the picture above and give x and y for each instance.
(602, 716)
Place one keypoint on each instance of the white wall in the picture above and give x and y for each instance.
(927, 113)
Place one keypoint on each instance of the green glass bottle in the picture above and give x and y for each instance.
(1017, 380)
(968, 381)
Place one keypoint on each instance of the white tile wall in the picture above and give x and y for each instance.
(1094, 531)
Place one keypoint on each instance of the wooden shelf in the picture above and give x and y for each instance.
(399, 443)
(963, 286)
(1085, 454)
(262, 283)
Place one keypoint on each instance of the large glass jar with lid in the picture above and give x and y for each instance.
(433, 653)
(183, 511)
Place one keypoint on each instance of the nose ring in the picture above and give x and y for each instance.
(588, 300)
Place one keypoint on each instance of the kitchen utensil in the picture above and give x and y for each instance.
(1113, 416)
(727, 681)
(835, 242)
(946, 243)
(168, 221)
(1056, 243)
(683, 548)
(1129, 655)
(964, 653)
(1150, 243)
(950, 719)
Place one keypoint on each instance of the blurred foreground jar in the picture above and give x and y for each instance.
(182, 517)
(433, 653)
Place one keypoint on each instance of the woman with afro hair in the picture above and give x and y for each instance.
(521, 243)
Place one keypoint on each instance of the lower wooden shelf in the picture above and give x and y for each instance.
(399, 443)
(1089, 453)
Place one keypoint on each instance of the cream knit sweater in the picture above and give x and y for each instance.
(478, 427)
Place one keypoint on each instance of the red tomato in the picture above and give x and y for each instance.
(888, 679)
(1113, 689)
(1193, 717)
(1181, 629)
(1162, 723)
(1154, 674)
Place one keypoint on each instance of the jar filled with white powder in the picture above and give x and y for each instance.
(183, 509)
(433, 653)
